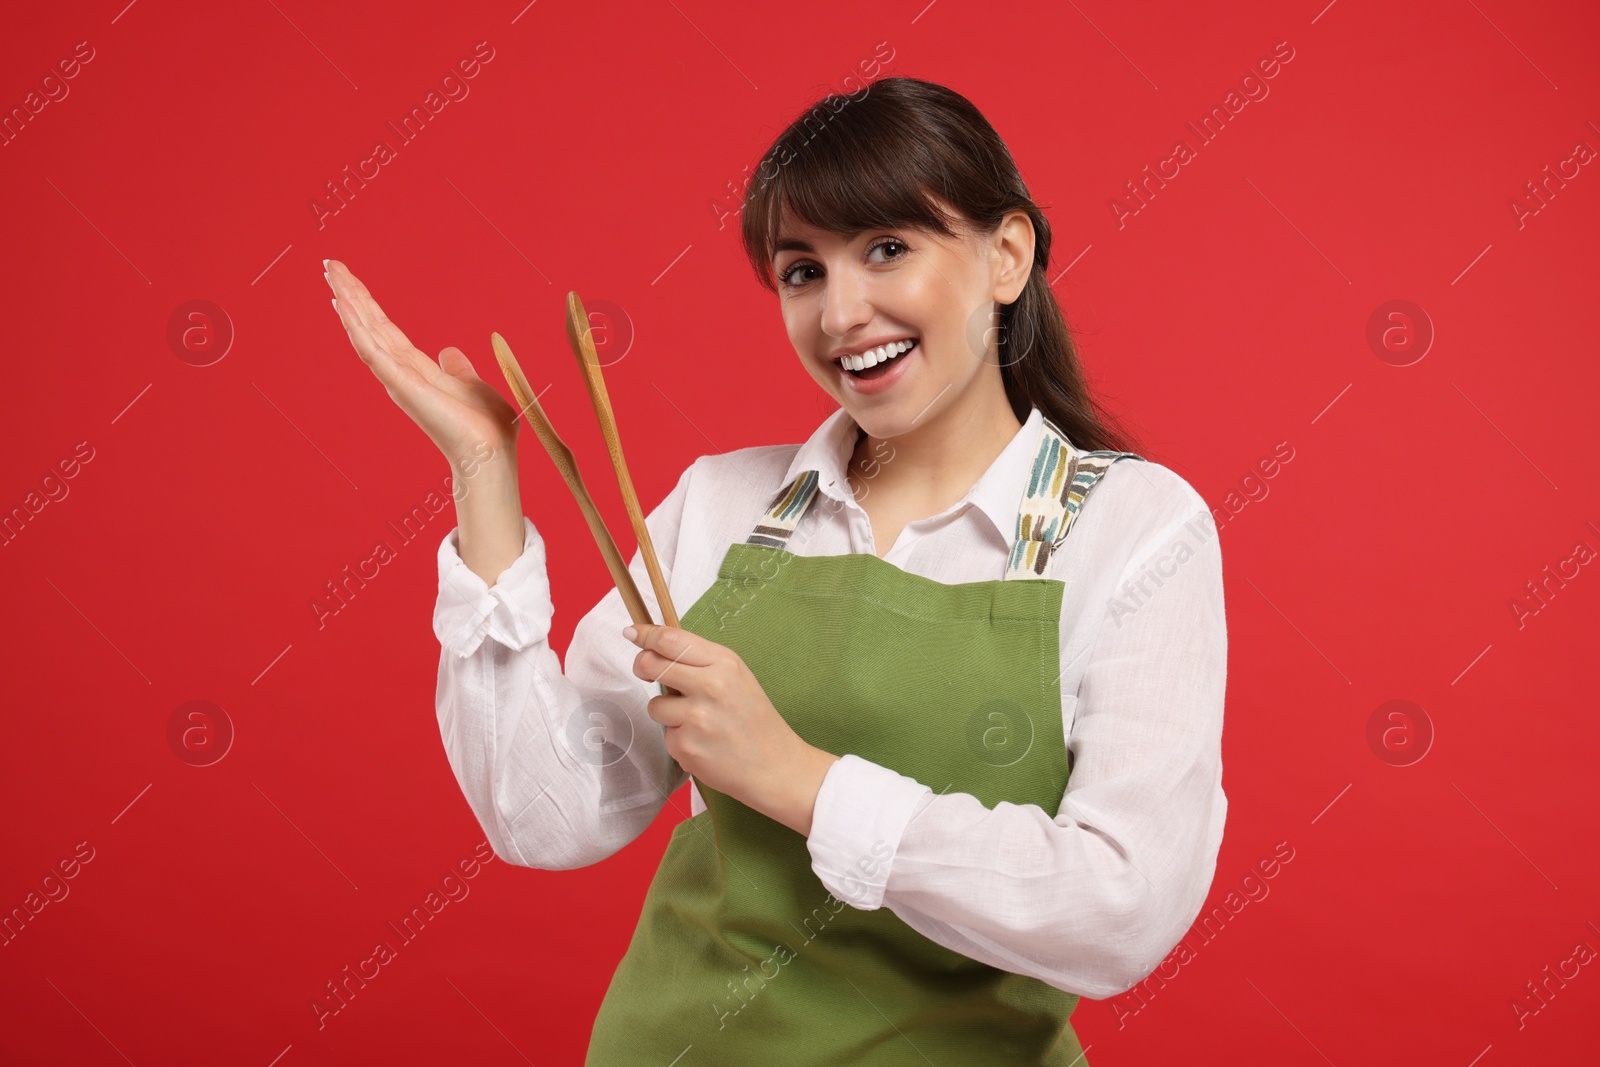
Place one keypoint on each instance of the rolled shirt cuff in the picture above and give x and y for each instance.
(861, 812)
(516, 612)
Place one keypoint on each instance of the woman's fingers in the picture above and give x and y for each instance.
(654, 667)
(386, 351)
(458, 366)
(369, 348)
(675, 643)
(674, 656)
(349, 288)
(447, 400)
(666, 710)
(381, 343)
(399, 376)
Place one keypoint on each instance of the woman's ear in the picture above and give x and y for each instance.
(1013, 240)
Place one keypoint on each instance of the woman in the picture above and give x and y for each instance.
(895, 656)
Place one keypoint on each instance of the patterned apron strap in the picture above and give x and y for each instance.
(1061, 479)
(775, 527)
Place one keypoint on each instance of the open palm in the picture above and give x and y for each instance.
(453, 406)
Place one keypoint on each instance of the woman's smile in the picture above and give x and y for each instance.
(888, 365)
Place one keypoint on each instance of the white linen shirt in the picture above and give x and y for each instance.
(1089, 898)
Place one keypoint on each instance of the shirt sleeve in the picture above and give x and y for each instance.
(1092, 898)
(561, 768)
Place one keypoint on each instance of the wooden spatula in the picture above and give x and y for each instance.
(561, 455)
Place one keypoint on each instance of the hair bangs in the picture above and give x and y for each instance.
(907, 152)
(859, 171)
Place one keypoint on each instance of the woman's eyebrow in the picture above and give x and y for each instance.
(795, 244)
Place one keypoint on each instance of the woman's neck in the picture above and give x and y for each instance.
(933, 465)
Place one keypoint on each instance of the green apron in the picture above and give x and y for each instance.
(741, 956)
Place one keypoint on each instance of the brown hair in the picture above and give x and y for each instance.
(867, 160)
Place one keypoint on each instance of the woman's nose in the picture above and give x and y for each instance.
(845, 304)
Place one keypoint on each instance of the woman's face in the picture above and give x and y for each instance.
(848, 294)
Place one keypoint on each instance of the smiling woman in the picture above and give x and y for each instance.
(913, 703)
(930, 260)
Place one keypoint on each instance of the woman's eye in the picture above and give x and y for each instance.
(788, 279)
(889, 243)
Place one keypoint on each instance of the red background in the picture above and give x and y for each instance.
(1228, 315)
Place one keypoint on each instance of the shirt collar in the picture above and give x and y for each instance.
(997, 493)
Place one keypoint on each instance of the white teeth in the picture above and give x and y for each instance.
(873, 356)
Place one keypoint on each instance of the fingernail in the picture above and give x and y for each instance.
(630, 632)
(335, 303)
(324, 266)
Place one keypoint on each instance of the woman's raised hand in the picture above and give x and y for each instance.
(459, 411)
(474, 426)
